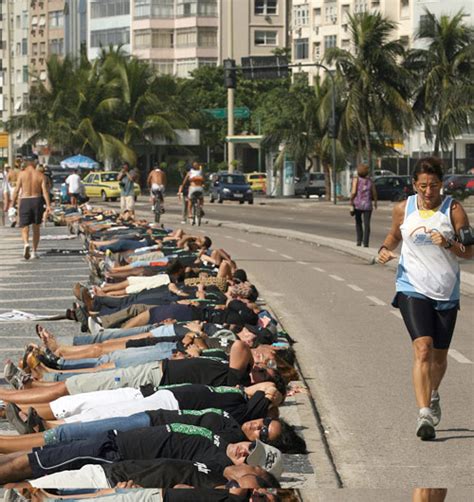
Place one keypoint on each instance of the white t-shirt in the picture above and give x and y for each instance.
(73, 181)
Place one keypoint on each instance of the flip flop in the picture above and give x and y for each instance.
(12, 412)
(34, 420)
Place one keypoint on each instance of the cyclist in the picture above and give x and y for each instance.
(195, 177)
(157, 183)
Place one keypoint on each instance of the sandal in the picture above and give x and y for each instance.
(12, 412)
(34, 420)
(15, 376)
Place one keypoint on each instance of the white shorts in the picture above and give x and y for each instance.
(127, 202)
(137, 284)
(160, 400)
(73, 405)
(195, 190)
(157, 188)
(89, 476)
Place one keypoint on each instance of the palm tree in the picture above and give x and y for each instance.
(443, 71)
(374, 86)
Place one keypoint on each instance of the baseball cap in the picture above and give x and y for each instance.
(266, 456)
(264, 335)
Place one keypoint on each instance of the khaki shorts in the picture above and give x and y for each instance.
(127, 202)
(151, 256)
(135, 376)
(137, 284)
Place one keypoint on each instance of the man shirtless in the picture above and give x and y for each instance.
(32, 192)
(157, 184)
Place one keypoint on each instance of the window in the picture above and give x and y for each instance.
(34, 21)
(42, 21)
(24, 46)
(265, 38)
(25, 74)
(207, 62)
(346, 44)
(56, 19)
(115, 36)
(424, 21)
(301, 48)
(345, 13)
(42, 48)
(317, 50)
(154, 8)
(207, 8)
(404, 9)
(186, 8)
(56, 46)
(163, 67)
(266, 7)
(34, 48)
(360, 6)
(185, 66)
(207, 37)
(155, 39)
(405, 40)
(109, 8)
(186, 38)
(24, 20)
(330, 41)
(330, 14)
(301, 15)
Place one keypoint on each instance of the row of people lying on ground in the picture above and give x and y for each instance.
(198, 381)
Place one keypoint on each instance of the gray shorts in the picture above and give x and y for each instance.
(134, 376)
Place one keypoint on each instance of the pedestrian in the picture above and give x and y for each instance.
(73, 183)
(428, 281)
(31, 185)
(7, 189)
(126, 179)
(363, 199)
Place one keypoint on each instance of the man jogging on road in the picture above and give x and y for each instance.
(157, 183)
(34, 195)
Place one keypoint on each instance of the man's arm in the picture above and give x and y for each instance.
(17, 189)
(45, 191)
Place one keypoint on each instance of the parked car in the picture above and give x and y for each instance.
(227, 186)
(257, 181)
(59, 187)
(104, 184)
(311, 184)
(456, 183)
(384, 172)
(394, 188)
(470, 187)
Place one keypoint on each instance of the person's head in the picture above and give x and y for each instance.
(287, 441)
(247, 336)
(265, 429)
(256, 453)
(31, 163)
(428, 179)
(362, 170)
(241, 476)
(125, 166)
(6, 168)
(195, 165)
(175, 269)
(40, 168)
(239, 276)
(75, 171)
(204, 242)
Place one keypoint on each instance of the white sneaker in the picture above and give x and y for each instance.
(183, 222)
(94, 327)
(435, 408)
(26, 252)
(35, 255)
(425, 427)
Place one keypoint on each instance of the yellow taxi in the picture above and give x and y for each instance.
(257, 181)
(104, 184)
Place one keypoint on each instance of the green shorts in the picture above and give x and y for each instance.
(134, 376)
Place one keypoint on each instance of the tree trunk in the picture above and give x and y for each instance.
(327, 180)
(367, 146)
(436, 146)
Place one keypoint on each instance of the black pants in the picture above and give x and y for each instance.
(363, 234)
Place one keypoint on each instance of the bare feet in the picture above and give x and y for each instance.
(47, 338)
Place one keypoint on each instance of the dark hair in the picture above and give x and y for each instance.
(288, 441)
(207, 242)
(175, 267)
(279, 382)
(253, 295)
(287, 355)
(240, 275)
(267, 480)
(429, 165)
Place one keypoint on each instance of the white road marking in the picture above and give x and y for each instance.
(11, 287)
(228, 237)
(286, 256)
(289, 218)
(257, 245)
(376, 300)
(48, 299)
(459, 357)
(13, 337)
(354, 287)
(396, 313)
(301, 263)
(319, 269)
(271, 250)
(336, 278)
(241, 240)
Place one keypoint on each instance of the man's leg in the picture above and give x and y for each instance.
(25, 234)
(16, 469)
(36, 236)
(23, 442)
(35, 395)
(116, 319)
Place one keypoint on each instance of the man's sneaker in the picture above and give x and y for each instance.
(435, 408)
(26, 252)
(94, 326)
(35, 255)
(425, 428)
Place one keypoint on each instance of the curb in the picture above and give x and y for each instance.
(348, 247)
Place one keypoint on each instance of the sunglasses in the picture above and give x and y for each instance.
(264, 431)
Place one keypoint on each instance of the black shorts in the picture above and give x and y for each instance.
(72, 455)
(31, 211)
(422, 319)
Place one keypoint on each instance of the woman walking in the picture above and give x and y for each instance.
(363, 198)
(428, 281)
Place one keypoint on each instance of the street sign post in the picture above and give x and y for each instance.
(221, 113)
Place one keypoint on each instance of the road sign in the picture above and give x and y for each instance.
(265, 67)
(221, 113)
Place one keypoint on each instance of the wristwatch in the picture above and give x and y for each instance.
(449, 244)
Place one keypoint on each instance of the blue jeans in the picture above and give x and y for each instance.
(84, 430)
(110, 334)
(124, 358)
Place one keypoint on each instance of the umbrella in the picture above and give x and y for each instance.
(79, 161)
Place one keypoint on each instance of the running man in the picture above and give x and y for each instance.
(157, 183)
(428, 281)
(32, 193)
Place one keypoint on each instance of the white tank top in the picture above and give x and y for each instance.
(424, 267)
(195, 173)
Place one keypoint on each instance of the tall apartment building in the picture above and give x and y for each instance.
(75, 26)
(108, 24)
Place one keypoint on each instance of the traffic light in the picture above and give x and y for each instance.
(230, 74)
(265, 67)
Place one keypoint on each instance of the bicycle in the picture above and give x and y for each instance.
(196, 209)
(157, 208)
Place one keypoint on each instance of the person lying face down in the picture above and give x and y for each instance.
(177, 441)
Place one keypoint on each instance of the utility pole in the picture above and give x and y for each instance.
(9, 79)
(230, 90)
